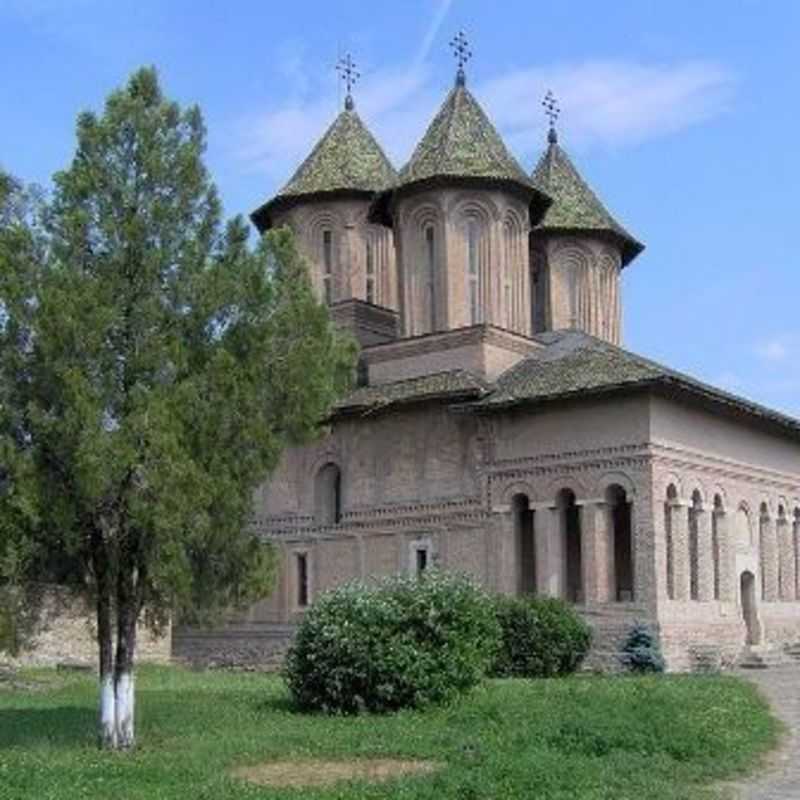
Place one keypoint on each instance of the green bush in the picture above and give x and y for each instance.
(397, 643)
(641, 651)
(541, 638)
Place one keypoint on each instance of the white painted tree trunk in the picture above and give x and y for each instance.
(124, 696)
(108, 713)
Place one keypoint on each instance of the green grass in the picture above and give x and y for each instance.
(578, 738)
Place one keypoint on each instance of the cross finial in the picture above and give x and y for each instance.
(551, 111)
(462, 53)
(348, 74)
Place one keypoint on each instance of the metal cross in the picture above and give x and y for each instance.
(462, 53)
(551, 111)
(348, 73)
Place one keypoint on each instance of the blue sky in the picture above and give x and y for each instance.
(682, 115)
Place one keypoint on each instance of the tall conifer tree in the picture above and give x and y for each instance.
(152, 368)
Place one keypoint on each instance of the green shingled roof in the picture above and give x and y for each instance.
(450, 385)
(574, 364)
(461, 142)
(575, 206)
(346, 159)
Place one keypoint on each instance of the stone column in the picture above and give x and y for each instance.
(549, 551)
(769, 560)
(503, 558)
(595, 551)
(726, 563)
(787, 563)
(705, 556)
(680, 550)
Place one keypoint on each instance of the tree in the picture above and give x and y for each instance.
(153, 366)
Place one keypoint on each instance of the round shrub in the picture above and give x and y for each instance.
(540, 638)
(396, 643)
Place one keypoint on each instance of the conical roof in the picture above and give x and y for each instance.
(461, 142)
(575, 206)
(346, 160)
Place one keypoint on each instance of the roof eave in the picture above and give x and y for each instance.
(382, 209)
(629, 247)
(262, 217)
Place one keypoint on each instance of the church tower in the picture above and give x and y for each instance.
(578, 250)
(461, 212)
(325, 203)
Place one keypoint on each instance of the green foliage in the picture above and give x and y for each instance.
(641, 651)
(581, 738)
(153, 365)
(398, 643)
(541, 638)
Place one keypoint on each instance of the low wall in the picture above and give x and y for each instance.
(260, 646)
(61, 628)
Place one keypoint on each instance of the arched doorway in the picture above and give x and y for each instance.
(571, 539)
(622, 555)
(748, 605)
(524, 546)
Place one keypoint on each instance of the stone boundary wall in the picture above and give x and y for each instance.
(61, 629)
(254, 646)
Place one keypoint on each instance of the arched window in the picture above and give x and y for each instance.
(694, 549)
(524, 546)
(672, 496)
(474, 282)
(537, 290)
(716, 544)
(429, 280)
(572, 546)
(327, 266)
(620, 508)
(509, 271)
(328, 495)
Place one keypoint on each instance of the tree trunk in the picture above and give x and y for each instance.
(127, 612)
(107, 722)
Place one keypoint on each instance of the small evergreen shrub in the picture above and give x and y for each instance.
(641, 651)
(398, 643)
(541, 638)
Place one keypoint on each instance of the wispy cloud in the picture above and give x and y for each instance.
(433, 29)
(605, 103)
(608, 103)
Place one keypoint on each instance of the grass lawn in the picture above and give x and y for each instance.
(579, 738)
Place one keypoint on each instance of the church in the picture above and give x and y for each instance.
(498, 427)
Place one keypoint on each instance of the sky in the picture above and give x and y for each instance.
(683, 116)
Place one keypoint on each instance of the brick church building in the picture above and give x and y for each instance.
(498, 427)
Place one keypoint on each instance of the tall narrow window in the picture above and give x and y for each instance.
(508, 272)
(370, 272)
(421, 559)
(327, 265)
(473, 272)
(302, 579)
(430, 276)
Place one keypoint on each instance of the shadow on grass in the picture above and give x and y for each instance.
(31, 727)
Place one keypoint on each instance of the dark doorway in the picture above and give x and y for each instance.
(623, 543)
(573, 559)
(525, 549)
